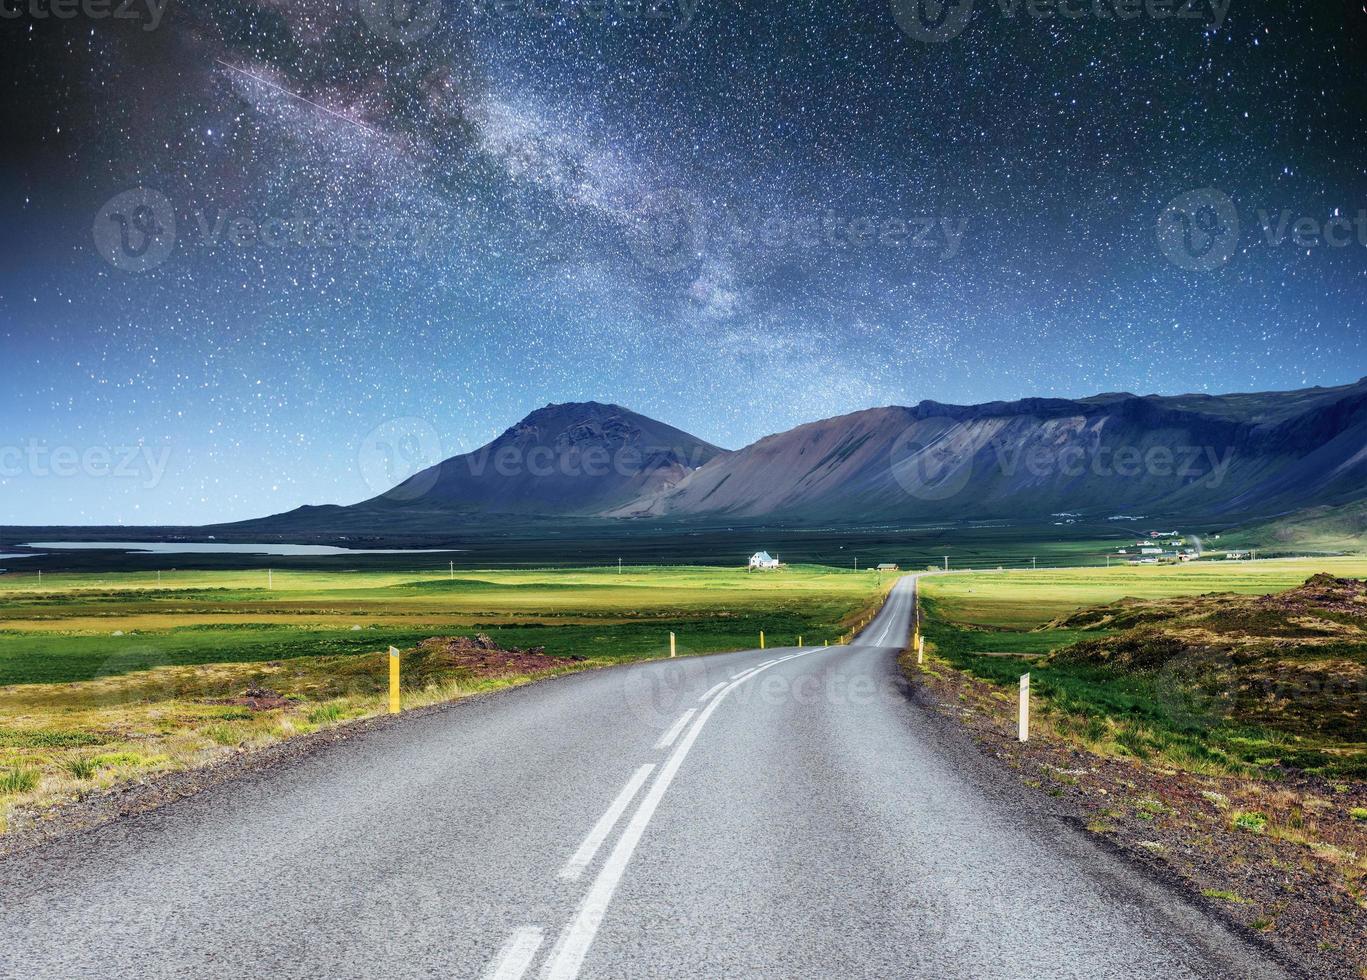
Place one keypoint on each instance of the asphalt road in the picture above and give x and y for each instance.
(775, 813)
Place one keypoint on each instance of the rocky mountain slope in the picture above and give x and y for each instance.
(1109, 454)
(1259, 455)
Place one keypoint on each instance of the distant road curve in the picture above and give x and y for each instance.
(772, 813)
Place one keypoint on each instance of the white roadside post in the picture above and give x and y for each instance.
(920, 649)
(1024, 725)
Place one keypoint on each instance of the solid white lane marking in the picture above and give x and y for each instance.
(583, 857)
(516, 955)
(567, 957)
(667, 739)
(713, 690)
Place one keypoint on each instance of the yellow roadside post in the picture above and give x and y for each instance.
(761, 639)
(672, 650)
(393, 680)
(799, 642)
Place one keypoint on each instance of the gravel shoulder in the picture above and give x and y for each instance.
(1298, 894)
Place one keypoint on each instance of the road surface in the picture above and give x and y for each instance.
(772, 813)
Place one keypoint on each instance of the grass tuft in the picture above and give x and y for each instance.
(1224, 896)
(81, 768)
(17, 780)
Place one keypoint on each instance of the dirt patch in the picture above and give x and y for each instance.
(1284, 859)
(257, 699)
(1322, 593)
(482, 656)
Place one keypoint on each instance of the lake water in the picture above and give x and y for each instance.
(4, 556)
(226, 548)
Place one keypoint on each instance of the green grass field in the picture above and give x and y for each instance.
(85, 626)
(996, 626)
(1022, 600)
(110, 676)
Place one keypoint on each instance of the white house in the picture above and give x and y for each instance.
(761, 559)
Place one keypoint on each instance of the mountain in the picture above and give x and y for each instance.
(1110, 454)
(574, 459)
(1260, 455)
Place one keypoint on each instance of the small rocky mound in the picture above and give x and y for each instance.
(484, 657)
(258, 698)
(1322, 593)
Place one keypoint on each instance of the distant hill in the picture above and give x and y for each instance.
(1195, 456)
(573, 459)
(1108, 455)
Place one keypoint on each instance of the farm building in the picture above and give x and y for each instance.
(888, 566)
(762, 559)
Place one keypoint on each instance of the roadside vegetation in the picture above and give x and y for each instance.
(1209, 718)
(108, 677)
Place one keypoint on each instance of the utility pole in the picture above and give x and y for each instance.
(619, 566)
(270, 581)
(453, 570)
(946, 562)
(856, 563)
(158, 578)
(1033, 563)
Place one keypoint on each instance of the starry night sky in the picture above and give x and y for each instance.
(714, 220)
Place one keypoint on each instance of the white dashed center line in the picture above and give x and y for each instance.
(516, 955)
(667, 739)
(583, 857)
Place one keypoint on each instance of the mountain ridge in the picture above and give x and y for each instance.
(1261, 452)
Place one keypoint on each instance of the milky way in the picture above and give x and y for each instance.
(351, 226)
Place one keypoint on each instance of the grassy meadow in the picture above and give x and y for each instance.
(996, 626)
(107, 676)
